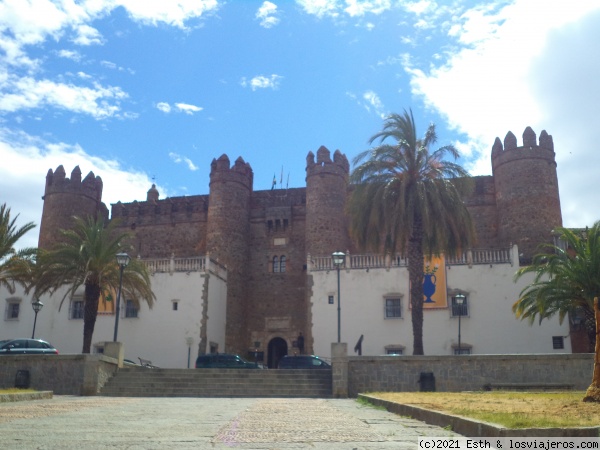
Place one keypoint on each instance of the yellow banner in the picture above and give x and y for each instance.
(434, 283)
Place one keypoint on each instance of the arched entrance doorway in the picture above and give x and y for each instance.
(277, 349)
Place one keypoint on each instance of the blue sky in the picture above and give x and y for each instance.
(151, 91)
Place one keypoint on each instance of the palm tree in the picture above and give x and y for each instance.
(407, 199)
(566, 281)
(85, 256)
(15, 265)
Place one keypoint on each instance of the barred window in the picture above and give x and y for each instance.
(460, 310)
(77, 309)
(131, 309)
(282, 264)
(13, 308)
(393, 308)
(275, 264)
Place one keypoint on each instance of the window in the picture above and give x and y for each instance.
(558, 342)
(394, 350)
(330, 299)
(279, 264)
(282, 264)
(393, 308)
(462, 351)
(76, 309)
(459, 310)
(131, 309)
(13, 307)
(175, 306)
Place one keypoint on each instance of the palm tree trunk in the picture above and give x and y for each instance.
(90, 312)
(593, 392)
(415, 274)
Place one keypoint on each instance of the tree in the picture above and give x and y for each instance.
(566, 281)
(85, 256)
(15, 265)
(407, 198)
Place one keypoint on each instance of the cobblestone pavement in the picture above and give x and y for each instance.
(66, 422)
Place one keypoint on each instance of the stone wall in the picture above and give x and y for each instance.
(62, 374)
(466, 372)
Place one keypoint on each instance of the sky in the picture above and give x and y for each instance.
(144, 92)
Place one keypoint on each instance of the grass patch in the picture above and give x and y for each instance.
(508, 409)
(365, 402)
(16, 391)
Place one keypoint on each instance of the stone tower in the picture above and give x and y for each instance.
(65, 198)
(227, 237)
(526, 186)
(326, 191)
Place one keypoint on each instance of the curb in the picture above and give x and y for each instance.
(474, 428)
(22, 396)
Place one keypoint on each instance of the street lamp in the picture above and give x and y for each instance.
(460, 300)
(37, 307)
(122, 259)
(338, 259)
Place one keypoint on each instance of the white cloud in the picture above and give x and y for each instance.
(320, 8)
(183, 159)
(188, 109)
(373, 101)
(181, 107)
(262, 82)
(524, 65)
(27, 93)
(164, 107)
(267, 14)
(27, 23)
(31, 157)
(172, 12)
(70, 54)
(87, 35)
(357, 8)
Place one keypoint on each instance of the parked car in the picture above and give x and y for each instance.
(223, 361)
(302, 362)
(26, 346)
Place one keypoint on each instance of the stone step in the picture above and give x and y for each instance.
(143, 382)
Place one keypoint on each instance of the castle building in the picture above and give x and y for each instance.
(265, 260)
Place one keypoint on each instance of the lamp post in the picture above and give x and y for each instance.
(460, 300)
(122, 259)
(338, 259)
(37, 307)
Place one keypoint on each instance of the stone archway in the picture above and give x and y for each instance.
(277, 349)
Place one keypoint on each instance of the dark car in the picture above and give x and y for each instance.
(303, 362)
(223, 361)
(26, 346)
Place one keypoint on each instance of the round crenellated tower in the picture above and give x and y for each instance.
(227, 238)
(326, 192)
(65, 198)
(526, 185)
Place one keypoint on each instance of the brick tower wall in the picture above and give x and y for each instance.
(162, 228)
(65, 198)
(326, 193)
(227, 240)
(481, 204)
(527, 194)
(277, 301)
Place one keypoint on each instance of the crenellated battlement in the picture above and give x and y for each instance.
(57, 182)
(529, 149)
(240, 172)
(155, 208)
(325, 166)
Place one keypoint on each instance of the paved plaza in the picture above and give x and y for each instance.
(66, 422)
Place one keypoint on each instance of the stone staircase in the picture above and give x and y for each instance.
(144, 382)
